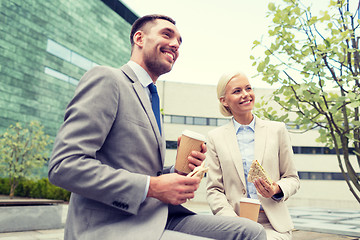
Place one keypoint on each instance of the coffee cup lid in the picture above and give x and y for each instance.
(194, 135)
(250, 200)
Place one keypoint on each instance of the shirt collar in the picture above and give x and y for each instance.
(141, 74)
(238, 125)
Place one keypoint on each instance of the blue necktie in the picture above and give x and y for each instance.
(155, 103)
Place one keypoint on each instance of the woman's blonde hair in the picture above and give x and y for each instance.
(221, 87)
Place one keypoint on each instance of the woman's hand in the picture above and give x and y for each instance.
(266, 190)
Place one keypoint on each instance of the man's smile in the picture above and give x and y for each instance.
(171, 55)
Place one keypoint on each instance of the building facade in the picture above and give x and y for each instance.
(46, 46)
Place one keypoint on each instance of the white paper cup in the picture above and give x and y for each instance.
(249, 208)
(190, 141)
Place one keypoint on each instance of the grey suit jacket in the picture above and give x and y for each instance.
(108, 144)
(226, 179)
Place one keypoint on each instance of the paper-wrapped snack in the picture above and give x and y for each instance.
(199, 171)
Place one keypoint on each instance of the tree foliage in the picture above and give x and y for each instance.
(315, 60)
(22, 150)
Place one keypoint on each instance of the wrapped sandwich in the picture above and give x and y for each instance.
(199, 171)
(257, 171)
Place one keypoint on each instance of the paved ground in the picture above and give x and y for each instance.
(310, 224)
(342, 222)
(58, 234)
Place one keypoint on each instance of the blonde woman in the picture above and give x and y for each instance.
(233, 147)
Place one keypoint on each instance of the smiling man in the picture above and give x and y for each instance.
(155, 45)
(110, 153)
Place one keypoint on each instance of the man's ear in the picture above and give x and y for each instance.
(139, 38)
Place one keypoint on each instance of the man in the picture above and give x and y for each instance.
(109, 153)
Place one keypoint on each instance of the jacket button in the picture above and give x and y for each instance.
(159, 173)
(244, 191)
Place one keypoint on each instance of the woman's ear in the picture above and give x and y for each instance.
(223, 102)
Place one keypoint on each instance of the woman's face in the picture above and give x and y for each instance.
(239, 96)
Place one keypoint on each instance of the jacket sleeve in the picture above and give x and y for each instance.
(215, 187)
(289, 180)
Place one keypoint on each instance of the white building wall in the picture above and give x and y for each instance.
(201, 101)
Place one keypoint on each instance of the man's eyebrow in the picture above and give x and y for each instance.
(173, 32)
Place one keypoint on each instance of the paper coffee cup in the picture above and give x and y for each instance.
(190, 141)
(249, 208)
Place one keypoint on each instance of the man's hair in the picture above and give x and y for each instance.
(140, 23)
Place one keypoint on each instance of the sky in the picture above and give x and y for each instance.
(217, 36)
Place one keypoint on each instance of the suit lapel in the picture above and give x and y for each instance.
(230, 141)
(144, 100)
(260, 139)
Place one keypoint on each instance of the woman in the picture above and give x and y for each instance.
(233, 147)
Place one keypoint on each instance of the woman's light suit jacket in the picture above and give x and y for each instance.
(226, 180)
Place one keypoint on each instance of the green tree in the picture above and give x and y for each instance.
(315, 62)
(22, 150)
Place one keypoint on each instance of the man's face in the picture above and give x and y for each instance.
(161, 43)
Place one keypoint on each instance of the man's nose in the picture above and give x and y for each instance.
(175, 44)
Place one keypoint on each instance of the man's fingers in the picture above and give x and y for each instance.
(198, 155)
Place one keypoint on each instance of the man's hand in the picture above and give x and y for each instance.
(196, 157)
(173, 188)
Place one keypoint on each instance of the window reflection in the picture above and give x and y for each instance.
(68, 55)
(190, 120)
(321, 176)
(61, 76)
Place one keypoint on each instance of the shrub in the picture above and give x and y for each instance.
(35, 189)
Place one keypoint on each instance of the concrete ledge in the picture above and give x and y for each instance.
(27, 201)
(31, 217)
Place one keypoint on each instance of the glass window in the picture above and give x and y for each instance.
(296, 150)
(68, 55)
(327, 176)
(199, 121)
(167, 119)
(321, 176)
(171, 144)
(337, 176)
(73, 81)
(58, 50)
(80, 61)
(56, 74)
(212, 121)
(222, 121)
(189, 120)
(310, 150)
(304, 175)
(178, 119)
(316, 176)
